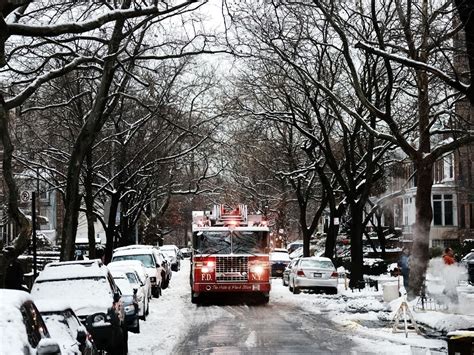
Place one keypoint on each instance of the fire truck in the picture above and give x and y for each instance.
(230, 253)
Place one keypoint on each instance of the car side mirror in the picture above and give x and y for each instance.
(158, 265)
(48, 347)
(116, 297)
(81, 336)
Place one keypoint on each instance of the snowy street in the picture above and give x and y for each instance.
(306, 323)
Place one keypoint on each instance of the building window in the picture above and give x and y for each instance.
(462, 220)
(443, 214)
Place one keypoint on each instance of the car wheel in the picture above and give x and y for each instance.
(147, 308)
(145, 312)
(156, 292)
(284, 282)
(119, 346)
(295, 289)
(135, 330)
(334, 291)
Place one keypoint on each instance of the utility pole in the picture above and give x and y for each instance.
(33, 218)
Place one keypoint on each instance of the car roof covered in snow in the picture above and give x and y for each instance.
(67, 270)
(133, 251)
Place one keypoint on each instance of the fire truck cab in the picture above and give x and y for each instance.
(230, 252)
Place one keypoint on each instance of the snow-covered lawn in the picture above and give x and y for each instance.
(363, 314)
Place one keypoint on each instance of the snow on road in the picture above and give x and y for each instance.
(362, 316)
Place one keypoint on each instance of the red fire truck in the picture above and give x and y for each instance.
(230, 252)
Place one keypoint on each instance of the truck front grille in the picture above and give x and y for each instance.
(232, 268)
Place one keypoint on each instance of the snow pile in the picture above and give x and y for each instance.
(364, 305)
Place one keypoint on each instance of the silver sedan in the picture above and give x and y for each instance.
(313, 273)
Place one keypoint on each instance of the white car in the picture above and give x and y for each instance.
(135, 267)
(146, 255)
(173, 254)
(92, 293)
(23, 330)
(313, 273)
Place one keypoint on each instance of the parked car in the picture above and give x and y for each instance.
(286, 272)
(466, 258)
(66, 328)
(279, 260)
(185, 252)
(470, 270)
(92, 293)
(294, 245)
(130, 301)
(173, 254)
(145, 254)
(313, 273)
(136, 272)
(166, 271)
(23, 330)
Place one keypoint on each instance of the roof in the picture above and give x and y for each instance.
(54, 305)
(72, 270)
(320, 258)
(133, 251)
(134, 246)
(12, 298)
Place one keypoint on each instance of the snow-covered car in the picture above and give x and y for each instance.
(286, 272)
(166, 268)
(136, 267)
(313, 273)
(66, 328)
(279, 260)
(185, 252)
(145, 254)
(23, 330)
(173, 255)
(90, 290)
(294, 245)
(130, 301)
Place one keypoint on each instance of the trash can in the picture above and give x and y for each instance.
(390, 292)
(461, 342)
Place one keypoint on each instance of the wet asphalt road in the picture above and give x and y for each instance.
(261, 329)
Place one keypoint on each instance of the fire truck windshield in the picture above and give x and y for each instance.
(225, 242)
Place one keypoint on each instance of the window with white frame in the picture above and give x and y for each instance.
(443, 214)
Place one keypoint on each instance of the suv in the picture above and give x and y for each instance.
(23, 330)
(173, 254)
(146, 255)
(92, 293)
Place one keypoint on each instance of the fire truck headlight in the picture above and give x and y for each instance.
(210, 264)
(257, 269)
(205, 269)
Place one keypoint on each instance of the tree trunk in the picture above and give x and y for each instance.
(420, 251)
(89, 201)
(83, 143)
(22, 224)
(357, 231)
(111, 228)
(380, 233)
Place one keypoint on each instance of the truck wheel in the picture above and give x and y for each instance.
(265, 298)
(194, 298)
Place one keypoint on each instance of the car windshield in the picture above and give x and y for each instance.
(279, 256)
(124, 286)
(225, 242)
(146, 259)
(83, 294)
(132, 278)
(320, 264)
